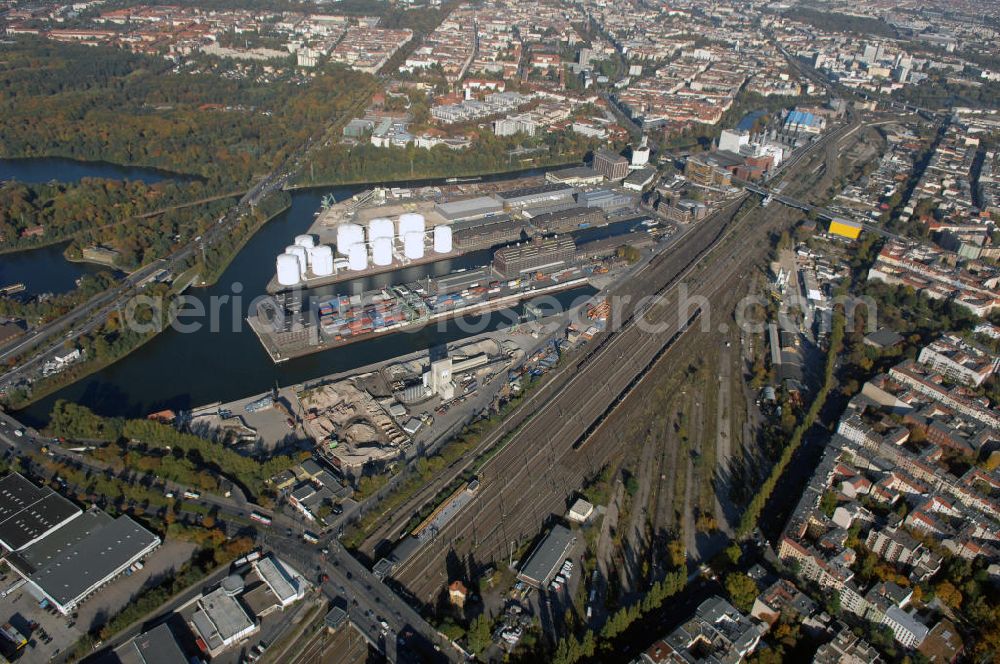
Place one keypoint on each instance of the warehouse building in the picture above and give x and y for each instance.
(539, 254)
(64, 553)
(286, 587)
(157, 646)
(569, 219)
(220, 621)
(606, 199)
(547, 558)
(75, 561)
(639, 179)
(575, 175)
(469, 208)
(545, 194)
(485, 232)
(28, 512)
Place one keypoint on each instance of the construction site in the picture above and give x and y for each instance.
(363, 422)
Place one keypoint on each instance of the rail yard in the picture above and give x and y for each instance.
(555, 431)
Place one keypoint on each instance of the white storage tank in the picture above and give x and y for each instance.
(382, 251)
(348, 234)
(300, 253)
(306, 241)
(380, 228)
(288, 270)
(442, 239)
(413, 245)
(357, 257)
(321, 259)
(411, 222)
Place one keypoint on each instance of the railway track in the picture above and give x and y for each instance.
(520, 495)
(694, 243)
(515, 495)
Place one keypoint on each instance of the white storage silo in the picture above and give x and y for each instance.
(348, 234)
(288, 270)
(382, 251)
(306, 241)
(411, 222)
(442, 239)
(413, 245)
(357, 257)
(321, 258)
(300, 253)
(380, 228)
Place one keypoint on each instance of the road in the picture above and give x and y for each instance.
(515, 497)
(102, 302)
(349, 579)
(394, 522)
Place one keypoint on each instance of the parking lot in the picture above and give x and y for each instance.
(48, 632)
(113, 597)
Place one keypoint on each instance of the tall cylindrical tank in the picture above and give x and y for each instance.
(348, 234)
(382, 251)
(357, 257)
(380, 228)
(300, 253)
(306, 241)
(442, 239)
(288, 270)
(321, 259)
(413, 245)
(411, 222)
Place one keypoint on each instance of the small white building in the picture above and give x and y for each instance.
(907, 630)
(220, 621)
(581, 511)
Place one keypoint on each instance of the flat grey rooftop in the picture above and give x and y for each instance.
(548, 555)
(27, 511)
(69, 536)
(157, 646)
(75, 569)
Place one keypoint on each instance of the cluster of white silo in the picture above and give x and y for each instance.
(358, 245)
(302, 256)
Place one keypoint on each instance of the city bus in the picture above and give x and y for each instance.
(260, 518)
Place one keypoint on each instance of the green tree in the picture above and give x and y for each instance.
(742, 590)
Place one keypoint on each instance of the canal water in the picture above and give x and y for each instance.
(46, 169)
(43, 270)
(180, 370)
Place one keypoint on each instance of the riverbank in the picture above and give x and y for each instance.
(224, 362)
(48, 386)
(52, 384)
(424, 179)
(211, 275)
